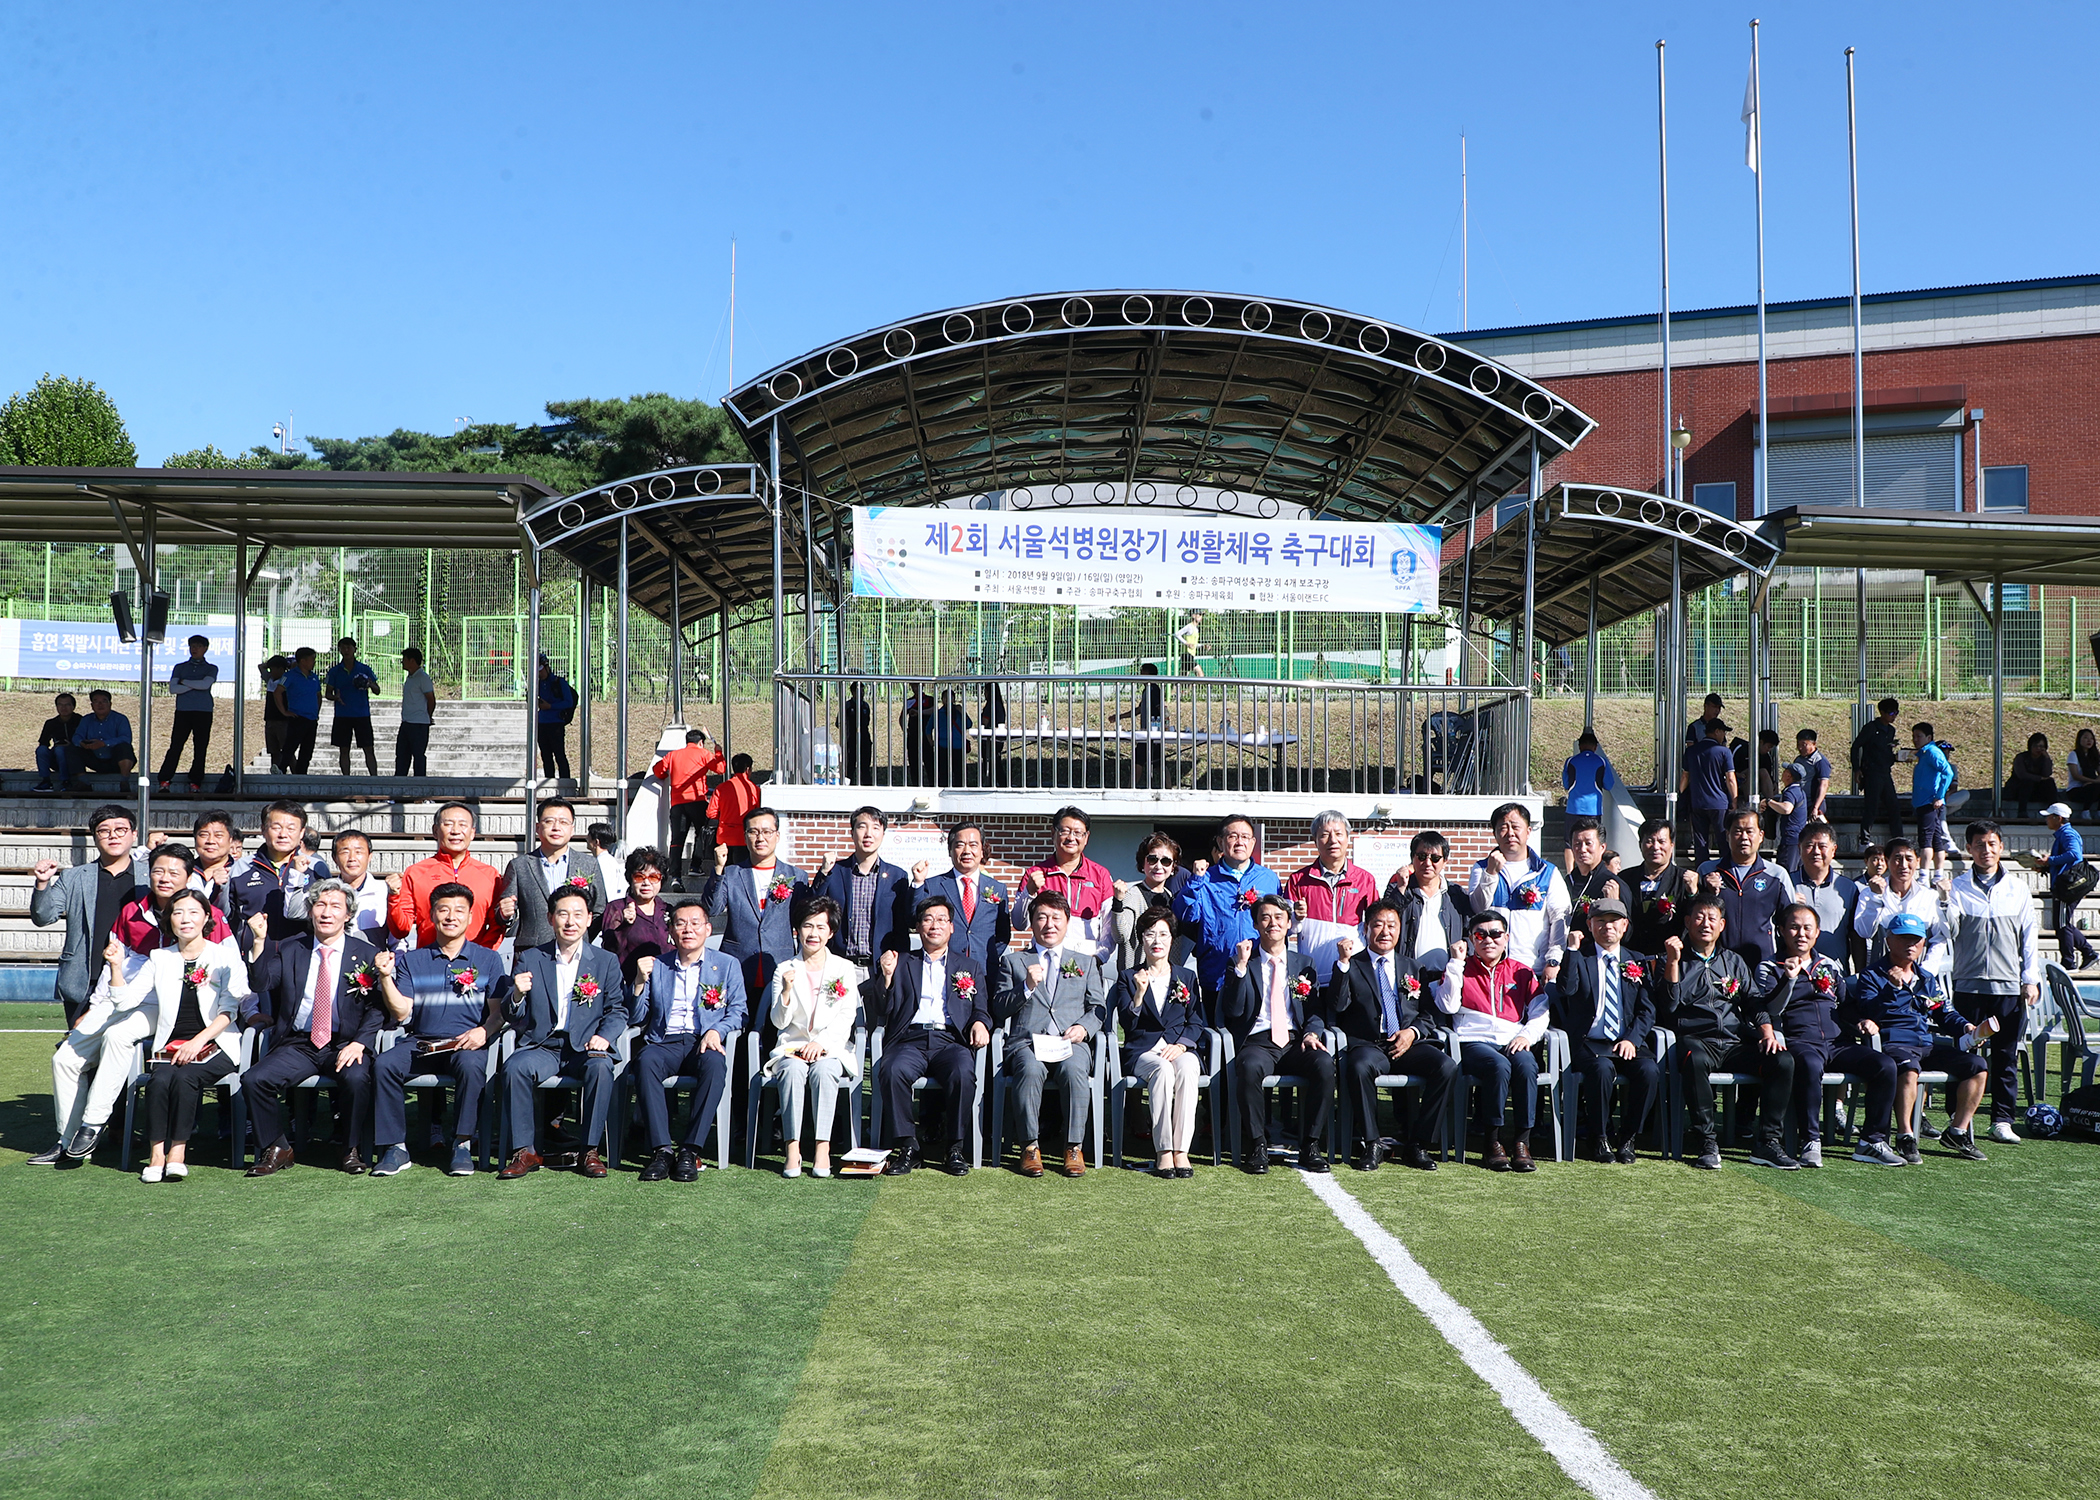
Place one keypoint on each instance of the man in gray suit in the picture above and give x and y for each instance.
(1054, 999)
(568, 1006)
(87, 899)
(554, 865)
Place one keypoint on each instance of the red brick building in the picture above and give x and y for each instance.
(1996, 383)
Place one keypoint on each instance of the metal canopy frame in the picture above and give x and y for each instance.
(1957, 547)
(1589, 534)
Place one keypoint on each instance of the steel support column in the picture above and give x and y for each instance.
(677, 649)
(620, 697)
(1589, 685)
(583, 677)
(532, 694)
(1465, 590)
(240, 663)
(779, 609)
(1531, 539)
(142, 742)
(1997, 692)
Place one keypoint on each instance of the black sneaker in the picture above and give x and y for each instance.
(1907, 1148)
(1962, 1143)
(1709, 1155)
(1771, 1152)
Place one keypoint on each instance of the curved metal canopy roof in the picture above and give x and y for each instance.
(1082, 393)
(1620, 539)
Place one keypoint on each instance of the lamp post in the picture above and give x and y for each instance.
(1680, 439)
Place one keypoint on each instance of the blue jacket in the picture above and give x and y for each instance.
(889, 923)
(652, 1006)
(556, 699)
(114, 730)
(1932, 777)
(2067, 850)
(533, 1013)
(254, 885)
(1586, 775)
(987, 934)
(1907, 1015)
(763, 936)
(1213, 904)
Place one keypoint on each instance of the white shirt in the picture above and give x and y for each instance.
(303, 1021)
(933, 992)
(1432, 948)
(415, 708)
(612, 871)
(564, 982)
(370, 918)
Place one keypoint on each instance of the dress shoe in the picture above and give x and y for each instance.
(1497, 1155)
(659, 1165)
(1624, 1155)
(1414, 1156)
(82, 1142)
(593, 1165)
(1185, 1172)
(685, 1167)
(175, 1171)
(562, 1159)
(521, 1161)
(1592, 1148)
(1258, 1163)
(354, 1162)
(956, 1163)
(1311, 1159)
(1075, 1162)
(1520, 1154)
(275, 1159)
(1370, 1155)
(46, 1158)
(1031, 1161)
(902, 1160)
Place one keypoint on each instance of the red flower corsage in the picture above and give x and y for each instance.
(463, 980)
(579, 882)
(1528, 896)
(836, 989)
(363, 979)
(1248, 897)
(1636, 972)
(995, 897)
(1069, 969)
(1729, 987)
(1413, 984)
(779, 890)
(965, 985)
(1666, 906)
(1301, 987)
(711, 996)
(586, 990)
(196, 974)
(1825, 985)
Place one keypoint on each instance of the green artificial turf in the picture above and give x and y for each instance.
(310, 1334)
(1120, 1335)
(1723, 1337)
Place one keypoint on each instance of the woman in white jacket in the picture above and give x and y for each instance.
(816, 997)
(195, 987)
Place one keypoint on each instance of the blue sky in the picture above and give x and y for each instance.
(374, 216)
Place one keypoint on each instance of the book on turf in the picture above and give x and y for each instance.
(862, 1161)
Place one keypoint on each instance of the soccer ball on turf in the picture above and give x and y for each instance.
(2044, 1120)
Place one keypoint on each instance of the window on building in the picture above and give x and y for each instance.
(1510, 505)
(2005, 488)
(1718, 498)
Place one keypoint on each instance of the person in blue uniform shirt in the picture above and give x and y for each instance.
(1903, 1002)
(1587, 776)
(449, 996)
(2066, 854)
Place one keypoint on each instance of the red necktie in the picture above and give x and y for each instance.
(969, 895)
(324, 997)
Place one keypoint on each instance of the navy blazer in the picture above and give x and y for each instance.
(749, 931)
(891, 1005)
(987, 934)
(1351, 1000)
(652, 1004)
(1243, 1000)
(533, 1014)
(889, 922)
(277, 982)
(1574, 995)
(1147, 1023)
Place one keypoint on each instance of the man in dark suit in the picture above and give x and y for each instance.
(537, 874)
(1050, 991)
(936, 1023)
(320, 998)
(569, 1007)
(1378, 1000)
(1604, 1000)
(873, 895)
(690, 1005)
(1270, 1005)
(753, 905)
(982, 905)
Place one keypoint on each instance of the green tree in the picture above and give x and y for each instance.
(209, 457)
(64, 423)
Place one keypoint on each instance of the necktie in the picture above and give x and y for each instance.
(324, 997)
(1279, 1006)
(1608, 1000)
(969, 898)
(1388, 1013)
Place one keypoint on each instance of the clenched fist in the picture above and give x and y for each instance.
(1345, 949)
(507, 908)
(46, 872)
(888, 963)
(113, 954)
(1673, 949)
(393, 883)
(1242, 953)
(644, 967)
(522, 984)
(918, 871)
(383, 961)
(1035, 975)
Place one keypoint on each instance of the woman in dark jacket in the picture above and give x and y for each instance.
(638, 925)
(1160, 1006)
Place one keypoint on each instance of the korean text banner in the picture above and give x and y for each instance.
(89, 651)
(1133, 557)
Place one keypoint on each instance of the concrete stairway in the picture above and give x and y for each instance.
(471, 738)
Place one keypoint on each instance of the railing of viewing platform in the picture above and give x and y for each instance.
(1132, 733)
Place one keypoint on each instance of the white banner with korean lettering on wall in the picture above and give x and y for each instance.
(1144, 559)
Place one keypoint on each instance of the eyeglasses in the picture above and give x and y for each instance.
(1489, 932)
(1159, 859)
(647, 877)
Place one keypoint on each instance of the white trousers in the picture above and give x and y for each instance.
(105, 1047)
(1170, 1093)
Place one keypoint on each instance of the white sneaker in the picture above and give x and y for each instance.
(177, 1171)
(1811, 1154)
(2004, 1134)
(150, 1174)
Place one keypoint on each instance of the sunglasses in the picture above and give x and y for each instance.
(1159, 859)
(1433, 857)
(1489, 932)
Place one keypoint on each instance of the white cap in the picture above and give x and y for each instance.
(2057, 810)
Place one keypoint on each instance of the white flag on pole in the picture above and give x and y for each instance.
(1750, 116)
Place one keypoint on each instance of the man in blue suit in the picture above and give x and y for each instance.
(569, 1007)
(982, 906)
(753, 906)
(935, 1013)
(690, 1008)
(874, 896)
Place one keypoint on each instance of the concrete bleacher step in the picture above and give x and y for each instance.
(471, 738)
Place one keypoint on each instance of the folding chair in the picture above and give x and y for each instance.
(1679, 1103)
(1096, 1093)
(1566, 1096)
(137, 1147)
(755, 1087)
(876, 1132)
(1270, 1084)
(1345, 1109)
(628, 1089)
(424, 1082)
(1553, 1078)
(1209, 1088)
(615, 1114)
(2060, 1018)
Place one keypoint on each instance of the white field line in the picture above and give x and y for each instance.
(1573, 1446)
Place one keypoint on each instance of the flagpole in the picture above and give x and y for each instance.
(732, 312)
(1668, 660)
(1662, 172)
(1859, 394)
(1465, 243)
(1757, 143)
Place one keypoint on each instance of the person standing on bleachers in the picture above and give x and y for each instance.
(557, 706)
(1874, 771)
(554, 863)
(684, 773)
(190, 681)
(350, 685)
(418, 713)
(2066, 855)
(1751, 891)
(1706, 780)
(1818, 883)
(88, 898)
(408, 894)
(298, 698)
(1587, 776)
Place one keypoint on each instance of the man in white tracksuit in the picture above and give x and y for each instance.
(1997, 962)
(1884, 898)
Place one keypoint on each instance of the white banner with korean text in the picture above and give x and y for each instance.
(1144, 560)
